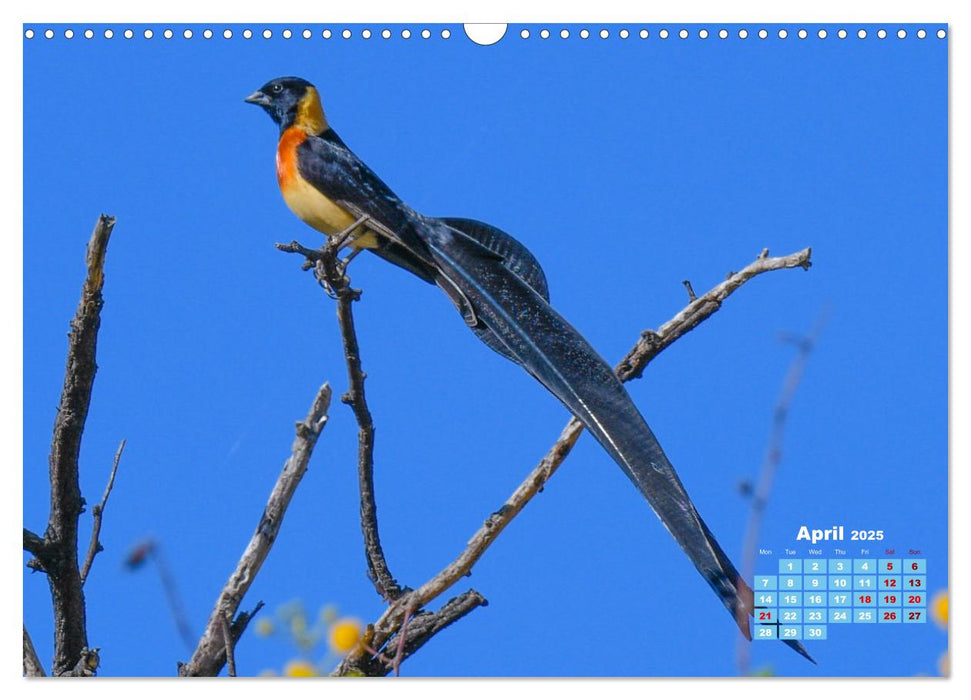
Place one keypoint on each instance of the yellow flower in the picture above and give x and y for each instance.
(264, 627)
(939, 608)
(299, 668)
(345, 635)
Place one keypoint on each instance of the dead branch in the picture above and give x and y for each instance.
(210, 654)
(646, 349)
(330, 272)
(32, 665)
(98, 514)
(57, 553)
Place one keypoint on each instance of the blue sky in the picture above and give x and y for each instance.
(626, 166)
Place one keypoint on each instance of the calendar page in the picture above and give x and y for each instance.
(516, 350)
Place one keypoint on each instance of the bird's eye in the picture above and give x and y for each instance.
(276, 89)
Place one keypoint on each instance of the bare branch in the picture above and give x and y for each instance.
(98, 513)
(32, 665)
(647, 348)
(210, 654)
(61, 537)
(770, 465)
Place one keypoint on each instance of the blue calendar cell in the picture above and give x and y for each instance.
(889, 616)
(915, 566)
(815, 599)
(888, 598)
(840, 616)
(889, 566)
(865, 583)
(839, 600)
(918, 616)
(790, 599)
(814, 615)
(840, 583)
(790, 566)
(766, 583)
(766, 616)
(790, 616)
(814, 632)
(814, 583)
(765, 599)
(864, 615)
(840, 566)
(891, 583)
(864, 566)
(864, 599)
(790, 632)
(766, 632)
(914, 599)
(790, 583)
(814, 566)
(913, 583)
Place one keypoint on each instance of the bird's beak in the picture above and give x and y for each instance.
(258, 98)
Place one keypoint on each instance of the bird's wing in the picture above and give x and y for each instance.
(538, 338)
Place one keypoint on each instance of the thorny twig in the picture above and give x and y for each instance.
(98, 514)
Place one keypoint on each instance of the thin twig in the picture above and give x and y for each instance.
(98, 513)
(230, 652)
(646, 349)
(61, 537)
(330, 272)
(172, 597)
(32, 665)
(770, 465)
(210, 653)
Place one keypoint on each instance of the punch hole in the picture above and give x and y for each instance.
(683, 34)
(306, 33)
(207, 34)
(703, 33)
(446, 33)
(803, 33)
(564, 33)
(267, 33)
(385, 33)
(663, 34)
(921, 34)
(584, 33)
(524, 34)
(783, 33)
(148, 34)
(29, 34)
(544, 34)
(821, 33)
(49, 34)
(227, 34)
(68, 33)
(405, 33)
(327, 34)
(624, 33)
(763, 34)
(347, 33)
(941, 34)
(861, 33)
(644, 34)
(88, 34)
(488, 34)
(882, 33)
(366, 33)
(187, 34)
(841, 33)
(287, 34)
(743, 33)
(168, 34)
(604, 33)
(129, 33)
(247, 33)
(722, 33)
(109, 34)
(902, 34)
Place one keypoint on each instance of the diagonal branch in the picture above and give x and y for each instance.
(330, 272)
(98, 513)
(650, 345)
(32, 665)
(61, 538)
(210, 654)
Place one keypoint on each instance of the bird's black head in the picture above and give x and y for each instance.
(291, 102)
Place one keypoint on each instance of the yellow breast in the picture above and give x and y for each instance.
(305, 200)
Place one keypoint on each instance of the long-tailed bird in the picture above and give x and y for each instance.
(500, 290)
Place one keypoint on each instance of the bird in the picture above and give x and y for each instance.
(501, 291)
